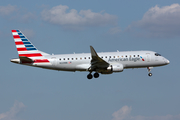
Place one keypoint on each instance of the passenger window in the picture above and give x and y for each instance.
(134, 55)
(68, 58)
(130, 56)
(59, 58)
(76, 58)
(89, 58)
(126, 55)
(64, 59)
(122, 56)
(106, 56)
(84, 57)
(72, 58)
(114, 56)
(118, 56)
(81, 58)
(109, 56)
(138, 55)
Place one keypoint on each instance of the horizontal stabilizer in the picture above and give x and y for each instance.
(24, 59)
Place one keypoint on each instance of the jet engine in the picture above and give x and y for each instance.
(116, 68)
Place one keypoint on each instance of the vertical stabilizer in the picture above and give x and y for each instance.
(27, 52)
(24, 46)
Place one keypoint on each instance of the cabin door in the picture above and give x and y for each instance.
(54, 62)
(148, 57)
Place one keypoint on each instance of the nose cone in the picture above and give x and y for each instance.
(166, 61)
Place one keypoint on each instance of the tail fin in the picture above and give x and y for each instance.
(24, 47)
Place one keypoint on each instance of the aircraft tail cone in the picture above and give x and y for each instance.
(15, 60)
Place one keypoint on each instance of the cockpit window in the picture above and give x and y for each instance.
(157, 54)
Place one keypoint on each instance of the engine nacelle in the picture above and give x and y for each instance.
(116, 68)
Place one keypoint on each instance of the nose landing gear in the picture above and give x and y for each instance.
(149, 70)
(150, 74)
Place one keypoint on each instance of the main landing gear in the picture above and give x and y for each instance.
(149, 70)
(90, 76)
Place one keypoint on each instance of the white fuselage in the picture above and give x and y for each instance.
(81, 62)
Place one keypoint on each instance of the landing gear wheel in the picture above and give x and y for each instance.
(89, 76)
(96, 75)
(150, 74)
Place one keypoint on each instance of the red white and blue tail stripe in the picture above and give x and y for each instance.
(26, 49)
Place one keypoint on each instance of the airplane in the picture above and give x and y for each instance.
(104, 63)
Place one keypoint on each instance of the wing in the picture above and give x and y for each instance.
(97, 62)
